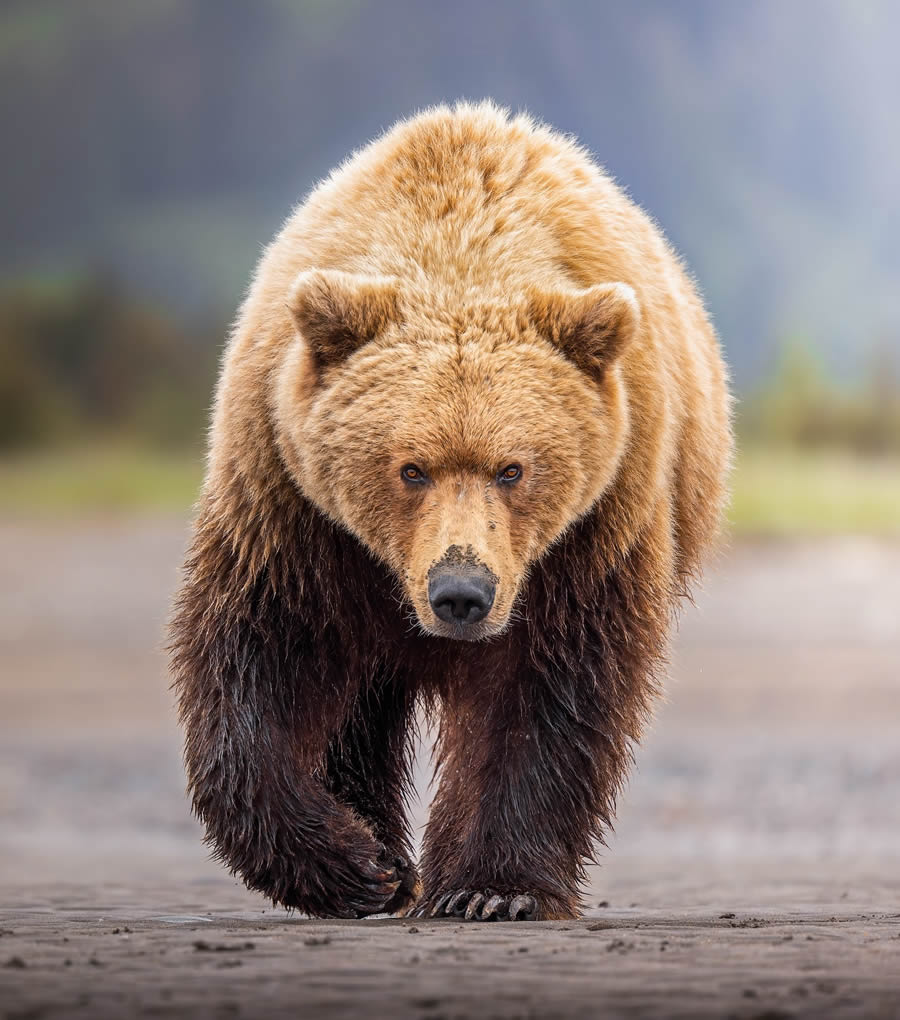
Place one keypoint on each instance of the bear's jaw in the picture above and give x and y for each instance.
(470, 633)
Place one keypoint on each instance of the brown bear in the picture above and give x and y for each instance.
(470, 440)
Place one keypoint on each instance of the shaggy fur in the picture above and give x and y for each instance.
(467, 294)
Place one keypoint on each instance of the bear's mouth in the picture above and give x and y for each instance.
(482, 631)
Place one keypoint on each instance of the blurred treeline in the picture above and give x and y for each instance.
(85, 361)
(801, 407)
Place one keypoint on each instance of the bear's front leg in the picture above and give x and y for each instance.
(529, 770)
(261, 695)
(271, 818)
(369, 768)
(287, 837)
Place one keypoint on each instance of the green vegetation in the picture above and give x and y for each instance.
(97, 480)
(818, 457)
(85, 360)
(793, 492)
(801, 408)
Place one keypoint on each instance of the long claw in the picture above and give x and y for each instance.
(438, 908)
(523, 908)
(492, 906)
(474, 903)
(456, 902)
(376, 872)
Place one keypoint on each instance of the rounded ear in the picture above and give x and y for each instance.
(591, 327)
(336, 312)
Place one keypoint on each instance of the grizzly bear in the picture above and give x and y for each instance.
(470, 440)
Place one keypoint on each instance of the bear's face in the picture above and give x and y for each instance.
(456, 453)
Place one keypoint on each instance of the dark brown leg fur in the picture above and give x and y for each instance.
(369, 769)
(535, 745)
(495, 827)
(267, 676)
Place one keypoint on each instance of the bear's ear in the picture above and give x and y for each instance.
(592, 327)
(338, 312)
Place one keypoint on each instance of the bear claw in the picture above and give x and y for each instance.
(474, 903)
(480, 906)
(523, 908)
(406, 886)
(438, 907)
(379, 886)
(457, 903)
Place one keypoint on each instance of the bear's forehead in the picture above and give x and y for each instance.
(471, 400)
(475, 382)
(454, 433)
(466, 409)
(452, 374)
(475, 365)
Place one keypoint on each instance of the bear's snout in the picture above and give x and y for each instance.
(461, 597)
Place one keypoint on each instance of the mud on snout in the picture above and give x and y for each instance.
(462, 596)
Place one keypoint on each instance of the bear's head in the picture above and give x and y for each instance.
(456, 439)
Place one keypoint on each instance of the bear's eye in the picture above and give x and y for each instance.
(413, 473)
(511, 473)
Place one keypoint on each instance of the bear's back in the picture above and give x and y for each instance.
(469, 198)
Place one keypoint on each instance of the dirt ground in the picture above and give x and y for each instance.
(755, 871)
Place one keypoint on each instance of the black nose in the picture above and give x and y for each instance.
(461, 598)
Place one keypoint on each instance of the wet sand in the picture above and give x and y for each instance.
(767, 789)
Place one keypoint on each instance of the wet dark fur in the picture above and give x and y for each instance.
(298, 672)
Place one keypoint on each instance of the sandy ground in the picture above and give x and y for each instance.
(755, 871)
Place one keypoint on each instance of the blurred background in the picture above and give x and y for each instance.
(152, 148)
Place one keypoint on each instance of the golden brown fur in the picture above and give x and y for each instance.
(468, 292)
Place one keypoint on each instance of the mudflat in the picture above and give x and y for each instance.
(755, 870)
